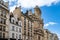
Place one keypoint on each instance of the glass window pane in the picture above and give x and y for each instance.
(0, 34)
(12, 35)
(19, 29)
(4, 13)
(4, 28)
(19, 36)
(0, 28)
(13, 28)
(3, 35)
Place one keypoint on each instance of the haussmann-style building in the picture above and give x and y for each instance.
(17, 25)
(3, 19)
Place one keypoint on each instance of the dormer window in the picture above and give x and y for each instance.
(20, 23)
(12, 20)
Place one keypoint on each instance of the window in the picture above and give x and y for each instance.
(16, 36)
(13, 29)
(19, 29)
(12, 35)
(12, 20)
(4, 13)
(4, 21)
(38, 37)
(3, 35)
(4, 28)
(19, 36)
(0, 28)
(0, 34)
(20, 23)
(16, 29)
(28, 34)
(1, 20)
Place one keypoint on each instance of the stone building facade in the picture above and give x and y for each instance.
(27, 23)
(50, 36)
(17, 25)
(32, 28)
(55, 37)
(38, 24)
(3, 19)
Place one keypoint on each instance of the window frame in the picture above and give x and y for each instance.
(13, 28)
(0, 34)
(13, 35)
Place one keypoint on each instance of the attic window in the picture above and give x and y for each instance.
(20, 23)
(12, 20)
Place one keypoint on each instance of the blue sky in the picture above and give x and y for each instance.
(50, 11)
(52, 14)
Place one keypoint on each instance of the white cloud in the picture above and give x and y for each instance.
(12, 8)
(32, 3)
(9, 0)
(49, 23)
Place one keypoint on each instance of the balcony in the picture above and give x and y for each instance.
(4, 3)
(3, 24)
(1, 16)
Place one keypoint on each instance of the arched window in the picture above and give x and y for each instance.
(20, 23)
(12, 20)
